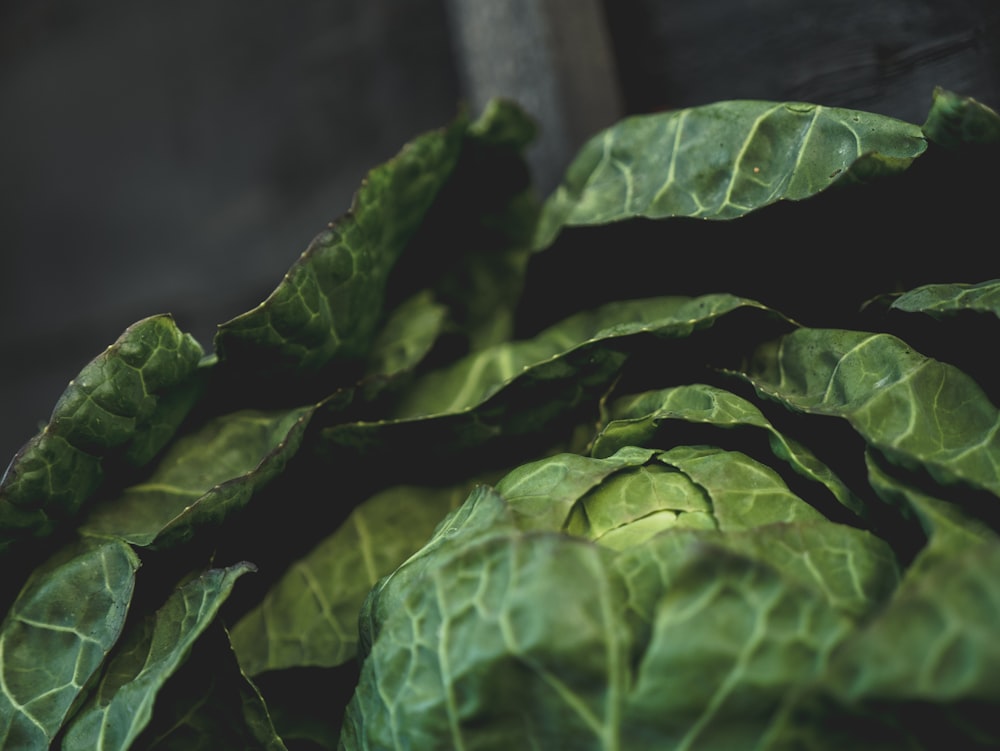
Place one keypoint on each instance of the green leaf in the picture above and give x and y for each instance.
(210, 704)
(473, 379)
(941, 300)
(730, 639)
(956, 120)
(407, 336)
(127, 402)
(743, 492)
(853, 569)
(495, 670)
(949, 527)
(521, 387)
(330, 302)
(929, 661)
(204, 477)
(463, 657)
(636, 419)
(723, 160)
(543, 493)
(472, 249)
(455, 658)
(150, 653)
(937, 639)
(310, 617)
(56, 635)
(916, 410)
(483, 513)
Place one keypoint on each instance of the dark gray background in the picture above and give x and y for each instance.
(177, 157)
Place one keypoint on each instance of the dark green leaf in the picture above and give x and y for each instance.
(149, 654)
(956, 120)
(949, 527)
(209, 704)
(723, 160)
(484, 513)
(473, 247)
(330, 301)
(56, 635)
(128, 402)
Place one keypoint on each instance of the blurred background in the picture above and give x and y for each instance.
(177, 157)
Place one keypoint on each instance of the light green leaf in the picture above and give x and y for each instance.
(475, 378)
(743, 492)
(918, 411)
(204, 476)
(635, 420)
(636, 503)
(940, 300)
(495, 670)
(543, 493)
(127, 402)
(310, 617)
(484, 513)
(150, 653)
(519, 388)
(56, 635)
(730, 639)
(723, 160)
(929, 661)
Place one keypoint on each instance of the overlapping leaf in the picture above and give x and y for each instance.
(209, 704)
(204, 477)
(651, 594)
(684, 635)
(928, 660)
(723, 160)
(127, 402)
(310, 617)
(920, 412)
(151, 652)
(490, 672)
(329, 302)
(635, 420)
(518, 387)
(56, 635)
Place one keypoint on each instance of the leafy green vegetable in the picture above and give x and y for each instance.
(749, 154)
(57, 634)
(624, 524)
(127, 401)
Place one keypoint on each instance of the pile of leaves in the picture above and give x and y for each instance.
(693, 453)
